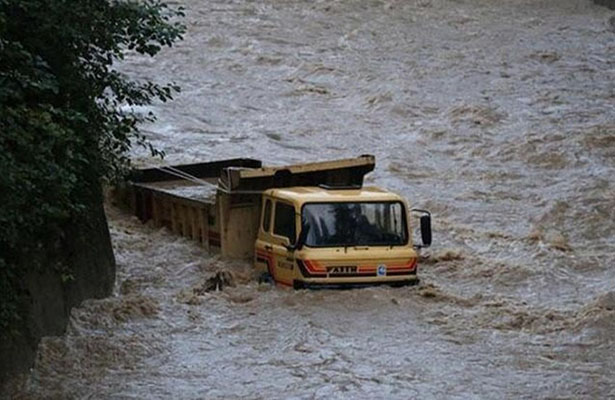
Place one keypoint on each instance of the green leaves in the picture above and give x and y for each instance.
(148, 25)
(66, 115)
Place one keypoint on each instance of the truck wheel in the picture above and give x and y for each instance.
(297, 285)
(265, 277)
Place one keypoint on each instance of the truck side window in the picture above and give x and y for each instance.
(284, 221)
(267, 216)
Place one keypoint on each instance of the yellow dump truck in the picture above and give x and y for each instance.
(305, 225)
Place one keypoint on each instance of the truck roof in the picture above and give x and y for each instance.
(314, 194)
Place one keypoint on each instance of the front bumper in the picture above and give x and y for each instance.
(353, 283)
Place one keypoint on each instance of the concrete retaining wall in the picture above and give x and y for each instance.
(45, 298)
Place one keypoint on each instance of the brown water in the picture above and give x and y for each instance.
(496, 115)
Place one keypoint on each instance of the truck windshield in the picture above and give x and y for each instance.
(355, 224)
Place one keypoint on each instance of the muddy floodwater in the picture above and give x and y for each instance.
(498, 116)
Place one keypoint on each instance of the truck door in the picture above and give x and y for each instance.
(284, 233)
(263, 257)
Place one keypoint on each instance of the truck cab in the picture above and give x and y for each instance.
(321, 236)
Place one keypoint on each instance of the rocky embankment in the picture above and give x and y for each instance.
(47, 294)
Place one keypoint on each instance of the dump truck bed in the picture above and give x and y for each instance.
(203, 192)
(218, 203)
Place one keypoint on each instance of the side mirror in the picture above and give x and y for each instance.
(426, 230)
(425, 221)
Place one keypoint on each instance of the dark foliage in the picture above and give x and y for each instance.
(63, 120)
